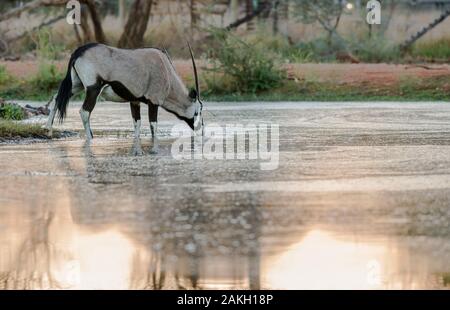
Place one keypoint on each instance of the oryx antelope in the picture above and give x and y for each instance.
(144, 75)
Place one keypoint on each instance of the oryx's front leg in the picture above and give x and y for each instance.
(153, 118)
(92, 93)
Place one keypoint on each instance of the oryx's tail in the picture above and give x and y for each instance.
(65, 88)
(64, 94)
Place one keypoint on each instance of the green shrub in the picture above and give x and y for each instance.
(5, 77)
(374, 49)
(11, 112)
(321, 49)
(281, 46)
(46, 79)
(438, 49)
(44, 46)
(240, 67)
(13, 130)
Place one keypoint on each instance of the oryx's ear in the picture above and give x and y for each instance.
(193, 94)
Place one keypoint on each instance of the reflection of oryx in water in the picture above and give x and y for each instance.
(173, 241)
(144, 75)
(176, 238)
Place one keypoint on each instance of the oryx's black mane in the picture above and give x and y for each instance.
(80, 51)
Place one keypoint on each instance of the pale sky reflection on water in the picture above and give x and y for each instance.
(79, 258)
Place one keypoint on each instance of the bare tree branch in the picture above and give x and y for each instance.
(407, 44)
(260, 10)
(30, 6)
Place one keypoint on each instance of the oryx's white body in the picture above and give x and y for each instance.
(142, 75)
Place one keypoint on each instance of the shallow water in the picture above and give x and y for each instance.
(361, 199)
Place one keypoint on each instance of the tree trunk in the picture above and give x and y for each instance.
(87, 33)
(248, 11)
(96, 21)
(194, 14)
(133, 34)
(264, 3)
(234, 9)
(77, 34)
(275, 25)
(122, 12)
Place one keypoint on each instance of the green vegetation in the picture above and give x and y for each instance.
(46, 80)
(238, 66)
(44, 83)
(431, 89)
(5, 77)
(48, 77)
(446, 279)
(433, 50)
(11, 112)
(251, 67)
(280, 46)
(45, 47)
(375, 49)
(41, 86)
(14, 130)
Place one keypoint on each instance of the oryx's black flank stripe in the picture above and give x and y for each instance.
(65, 89)
(123, 92)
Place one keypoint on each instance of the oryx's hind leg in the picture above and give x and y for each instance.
(92, 93)
(153, 118)
(77, 86)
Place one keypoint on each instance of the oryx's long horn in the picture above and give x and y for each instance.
(197, 88)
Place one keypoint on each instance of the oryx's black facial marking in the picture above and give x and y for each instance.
(189, 121)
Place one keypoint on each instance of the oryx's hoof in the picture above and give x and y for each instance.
(154, 150)
(137, 152)
(49, 131)
(136, 149)
(89, 135)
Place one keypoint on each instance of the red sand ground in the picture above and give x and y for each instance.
(375, 74)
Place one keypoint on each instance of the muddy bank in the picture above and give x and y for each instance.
(364, 74)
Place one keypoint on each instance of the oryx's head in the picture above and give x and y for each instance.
(197, 105)
(186, 105)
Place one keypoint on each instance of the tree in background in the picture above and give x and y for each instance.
(133, 33)
(327, 13)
